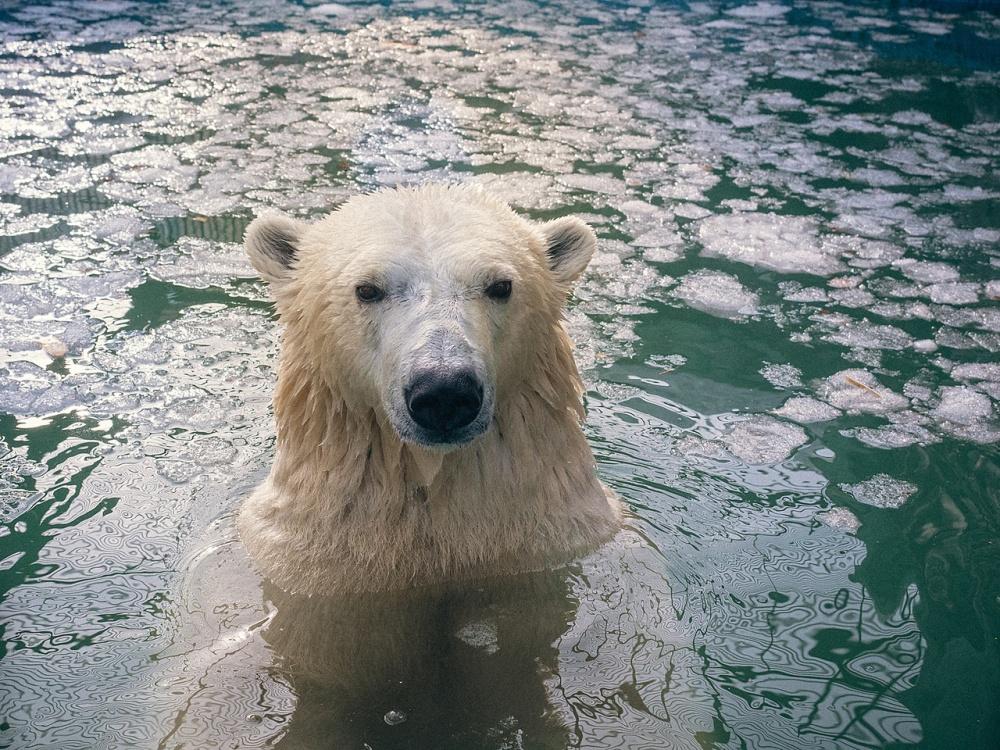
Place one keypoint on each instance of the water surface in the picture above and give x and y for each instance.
(789, 337)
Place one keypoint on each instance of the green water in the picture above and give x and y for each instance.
(789, 337)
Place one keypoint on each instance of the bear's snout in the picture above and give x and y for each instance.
(443, 401)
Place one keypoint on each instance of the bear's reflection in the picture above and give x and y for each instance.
(466, 666)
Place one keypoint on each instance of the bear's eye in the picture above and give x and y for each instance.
(499, 290)
(368, 293)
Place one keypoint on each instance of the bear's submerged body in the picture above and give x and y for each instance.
(380, 481)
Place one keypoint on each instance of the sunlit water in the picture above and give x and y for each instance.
(790, 338)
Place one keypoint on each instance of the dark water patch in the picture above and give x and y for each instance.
(71, 202)
(226, 228)
(808, 90)
(497, 167)
(10, 241)
(157, 302)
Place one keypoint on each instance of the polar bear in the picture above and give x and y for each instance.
(428, 407)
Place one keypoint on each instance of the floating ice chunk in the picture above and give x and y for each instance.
(199, 263)
(916, 390)
(662, 244)
(331, 9)
(27, 224)
(826, 125)
(903, 311)
(991, 388)
(28, 390)
(780, 101)
(32, 258)
(793, 291)
(526, 190)
(718, 294)
(925, 346)
(963, 193)
(14, 176)
(839, 518)
(878, 177)
(962, 405)
(987, 318)
(637, 143)
(763, 440)
(857, 391)
(641, 211)
(806, 410)
(853, 297)
(954, 293)
(911, 116)
(691, 211)
(760, 10)
(887, 287)
(155, 165)
(740, 204)
(927, 271)
(893, 436)
(7, 210)
(929, 27)
(662, 254)
(781, 376)
(594, 183)
(786, 244)
(872, 254)
(861, 224)
(119, 224)
(881, 491)
(667, 362)
(977, 371)
(951, 338)
(845, 282)
(682, 191)
(106, 285)
(966, 413)
(862, 334)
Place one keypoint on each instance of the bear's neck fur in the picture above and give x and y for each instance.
(348, 506)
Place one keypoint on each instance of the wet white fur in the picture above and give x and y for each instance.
(350, 505)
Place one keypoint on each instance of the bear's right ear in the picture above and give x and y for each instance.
(272, 242)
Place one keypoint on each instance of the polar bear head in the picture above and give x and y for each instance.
(428, 306)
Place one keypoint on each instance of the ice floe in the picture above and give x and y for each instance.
(857, 391)
(881, 491)
(806, 410)
(839, 518)
(761, 439)
(717, 293)
(786, 244)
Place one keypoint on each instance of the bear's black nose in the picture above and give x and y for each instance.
(444, 400)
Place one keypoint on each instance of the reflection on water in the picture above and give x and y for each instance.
(789, 338)
(460, 670)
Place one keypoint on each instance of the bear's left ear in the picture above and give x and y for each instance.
(272, 242)
(569, 246)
